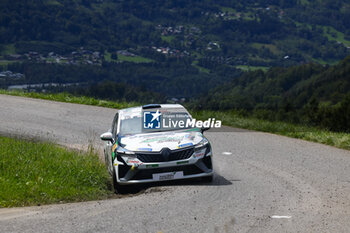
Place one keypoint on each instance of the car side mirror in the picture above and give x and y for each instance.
(204, 129)
(108, 136)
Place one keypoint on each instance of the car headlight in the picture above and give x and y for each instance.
(122, 150)
(201, 144)
(125, 154)
(202, 149)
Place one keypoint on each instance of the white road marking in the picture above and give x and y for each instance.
(280, 216)
(226, 153)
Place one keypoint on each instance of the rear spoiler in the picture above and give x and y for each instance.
(148, 106)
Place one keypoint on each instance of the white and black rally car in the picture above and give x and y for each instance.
(156, 143)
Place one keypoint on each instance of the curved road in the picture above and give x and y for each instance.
(263, 182)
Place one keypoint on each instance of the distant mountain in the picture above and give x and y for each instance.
(241, 33)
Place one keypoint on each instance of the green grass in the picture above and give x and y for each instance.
(304, 2)
(49, 59)
(8, 49)
(331, 33)
(201, 69)
(168, 38)
(53, 3)
(231, 118)
(271, 47)
(108, 57)
(197, 55)
(323, 62)
(252, 68)
(228, 9)
(136, 59)
(33, 173)
(248, 16)
(6, 62)
(335, 35)
(68, 98)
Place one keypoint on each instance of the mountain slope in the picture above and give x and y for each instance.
(309, 93)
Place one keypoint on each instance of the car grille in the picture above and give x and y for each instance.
(149, 157)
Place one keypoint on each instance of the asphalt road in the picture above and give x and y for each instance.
(259, 179)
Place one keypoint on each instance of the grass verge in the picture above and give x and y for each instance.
(33, 173)
(314, 134)
(69, 98)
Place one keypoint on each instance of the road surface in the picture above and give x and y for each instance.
(263, 182)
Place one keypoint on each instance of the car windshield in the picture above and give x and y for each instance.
(131, 126)
(169, 121)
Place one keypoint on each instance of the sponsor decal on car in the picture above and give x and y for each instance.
(190, 136)
(116, 163)
(163, 139)
(199, 154)
(168, 176)
(144, 149)
(193, 130)
(160, 140)
(185, 145)
(113, 150)
(133, 161)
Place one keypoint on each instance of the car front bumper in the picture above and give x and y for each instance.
(143, 173)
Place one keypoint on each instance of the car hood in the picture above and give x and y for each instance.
(157, 141)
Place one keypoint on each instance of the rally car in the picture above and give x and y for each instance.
(154, 143)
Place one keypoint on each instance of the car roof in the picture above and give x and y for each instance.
(138, 110)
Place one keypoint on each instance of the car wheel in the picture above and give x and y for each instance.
(208, 179)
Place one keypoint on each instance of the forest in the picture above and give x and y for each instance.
(306, 94)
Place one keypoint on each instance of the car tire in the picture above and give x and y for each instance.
(208, 179)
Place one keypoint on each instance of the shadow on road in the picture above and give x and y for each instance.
(155, 187)
(218, 181)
